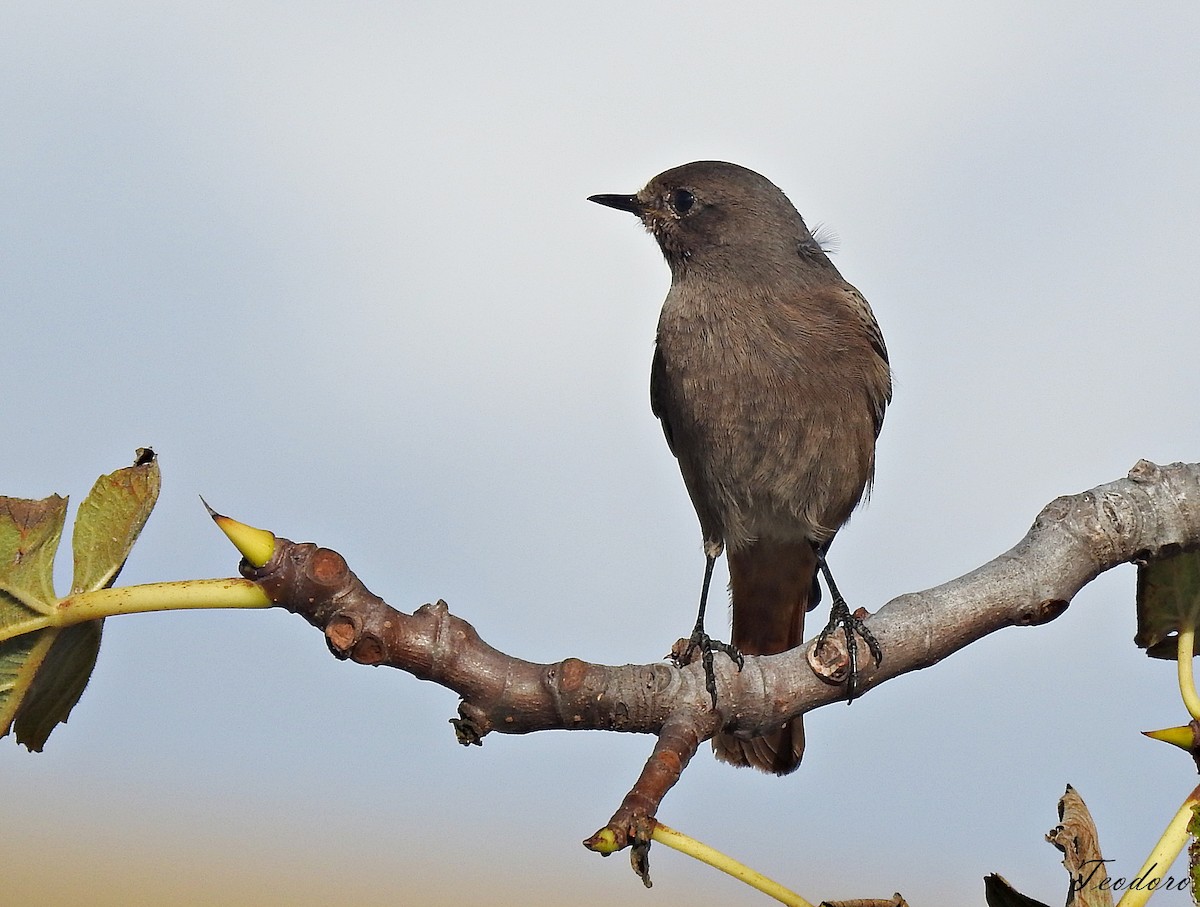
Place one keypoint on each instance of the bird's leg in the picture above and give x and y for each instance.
(706, 644)
(841, 616)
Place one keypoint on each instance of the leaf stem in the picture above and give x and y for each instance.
(31, 625)
(176, 596)
(1184, 656)
(1163, 854)
(705, 854)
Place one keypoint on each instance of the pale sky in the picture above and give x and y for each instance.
(334, 262)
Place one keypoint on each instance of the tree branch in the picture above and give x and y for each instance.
(1152, 513)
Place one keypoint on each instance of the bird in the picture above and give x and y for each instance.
(771, 378)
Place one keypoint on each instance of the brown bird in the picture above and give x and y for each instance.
(771, 378)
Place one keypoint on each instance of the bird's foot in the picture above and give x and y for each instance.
(852, 625)
(684, 653)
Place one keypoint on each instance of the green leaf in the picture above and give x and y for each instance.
(44, 668)
(1194, 848)
(58, 682)
(1168, 595)
(29, 536)
(20, 659)
(110, 519)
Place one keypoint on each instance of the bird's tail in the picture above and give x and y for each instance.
(771, 584)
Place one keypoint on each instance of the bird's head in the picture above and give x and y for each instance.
(708, 211)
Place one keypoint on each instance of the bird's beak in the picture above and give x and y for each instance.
(628, 203)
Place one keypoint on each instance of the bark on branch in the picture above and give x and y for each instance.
(1152, 513)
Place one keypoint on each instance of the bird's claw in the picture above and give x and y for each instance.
(853, 626)
(685, 650)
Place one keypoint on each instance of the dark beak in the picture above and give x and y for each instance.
(628, 203)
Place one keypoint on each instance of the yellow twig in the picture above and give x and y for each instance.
(192, 593)
(705, 854)
(1163, 854)
(1187, 682)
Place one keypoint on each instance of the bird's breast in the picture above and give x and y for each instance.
(766, 415)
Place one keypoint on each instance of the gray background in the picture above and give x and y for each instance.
(335, 264)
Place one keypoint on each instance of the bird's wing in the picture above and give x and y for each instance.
(881, 387)
(659, 390)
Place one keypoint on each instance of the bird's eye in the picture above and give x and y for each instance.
(682, 201)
